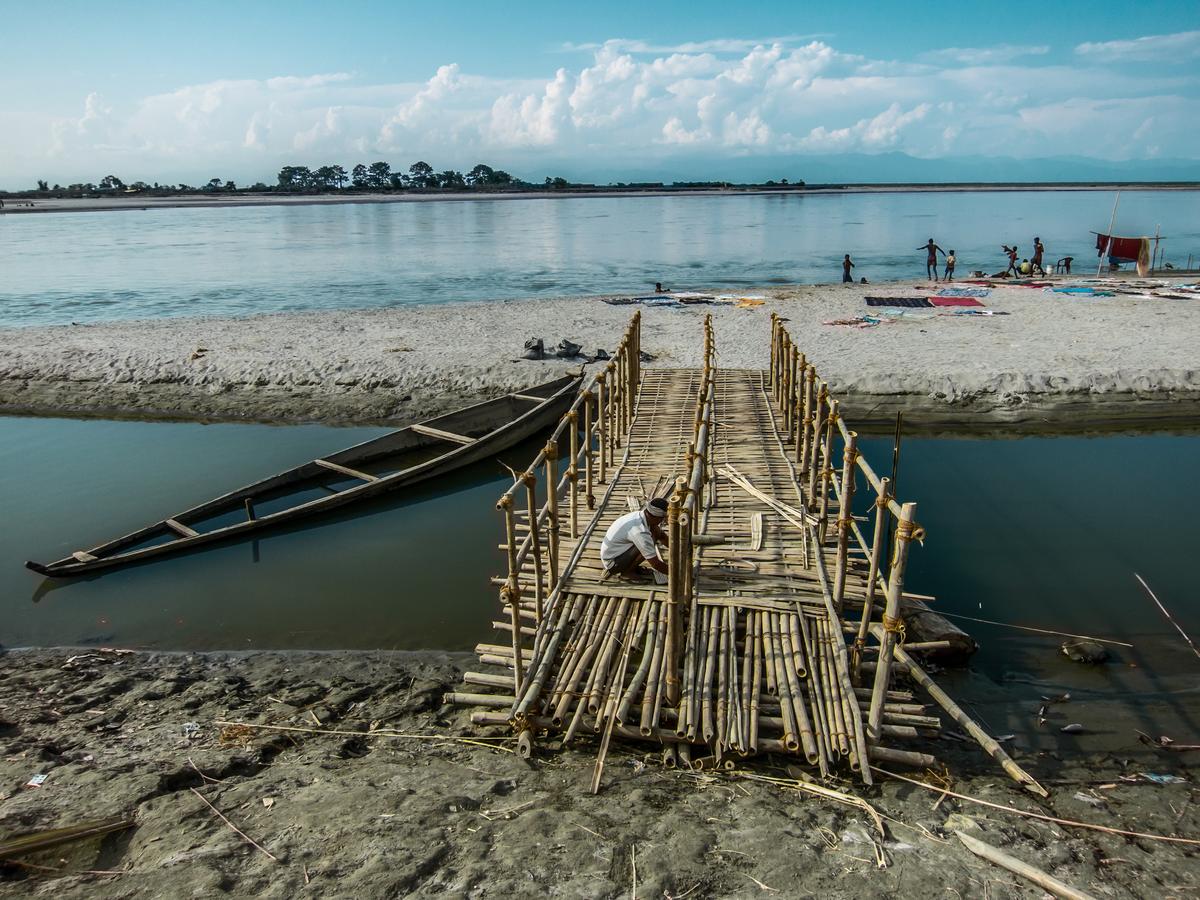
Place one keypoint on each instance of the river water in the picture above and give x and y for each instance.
(57, 268)
(1038, 531)
(1041, 531)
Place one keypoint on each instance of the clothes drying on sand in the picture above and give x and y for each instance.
(911, 302)
(965, 292)
(954, 301)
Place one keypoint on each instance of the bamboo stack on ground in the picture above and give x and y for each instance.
(743, 650)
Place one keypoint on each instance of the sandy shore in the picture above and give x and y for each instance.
(1052, 361)
(349, 815)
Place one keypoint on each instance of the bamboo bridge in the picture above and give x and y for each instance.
(779, 626)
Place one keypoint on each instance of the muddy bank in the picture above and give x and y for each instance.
(1043, 360)
(348, 815)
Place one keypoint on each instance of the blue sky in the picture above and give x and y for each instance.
(187, 91)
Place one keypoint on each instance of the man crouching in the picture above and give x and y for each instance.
(632, 539)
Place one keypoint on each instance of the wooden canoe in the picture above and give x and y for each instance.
(394, 460)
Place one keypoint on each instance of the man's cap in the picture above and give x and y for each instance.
(656, 507)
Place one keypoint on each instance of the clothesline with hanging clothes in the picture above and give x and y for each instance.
(1125, 248)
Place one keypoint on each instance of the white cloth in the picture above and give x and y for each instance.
(628, 531)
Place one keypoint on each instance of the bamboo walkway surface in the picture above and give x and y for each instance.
(778, 625)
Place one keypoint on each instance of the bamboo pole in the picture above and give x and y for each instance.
(810, 415)
(968, 724)
(892, 624)
(588, 450)
(820, 718)
(601, 426)
(712, 626)
(881, 512)
(675, 578)
(793, 393)
(801, 408)
(827, 468)
(814, 463)
(535, 537)
(774, 349)
(1030, 873)
(845, 519)
(608, 650)
(551, 453)
(573, 472)
(754, 637)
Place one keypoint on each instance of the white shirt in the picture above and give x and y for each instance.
(628, 531)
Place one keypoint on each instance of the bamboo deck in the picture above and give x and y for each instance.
(777, 628)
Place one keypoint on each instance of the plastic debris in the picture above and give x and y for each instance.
(1163, 779)
(37, 780)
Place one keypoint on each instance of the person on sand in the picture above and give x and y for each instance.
(847, 265)
(1038, 250)
(950, 263)
(633, 538)
(931, 251)
(1026, 268)
(1012, 260)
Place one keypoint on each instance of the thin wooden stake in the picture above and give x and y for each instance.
(253, 843)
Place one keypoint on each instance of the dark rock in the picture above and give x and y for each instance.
(1083, 651)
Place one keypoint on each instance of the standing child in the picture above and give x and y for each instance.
(847, 265)
(1036, 261)
(1012, 260)
(950, 261)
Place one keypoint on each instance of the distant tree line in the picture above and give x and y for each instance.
(376, 176)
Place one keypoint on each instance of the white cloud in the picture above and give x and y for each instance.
(1182, 46)
(631, 103)
(719, 45)
(983, 56)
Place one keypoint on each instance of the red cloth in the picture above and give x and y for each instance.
(954, 301)
(1121, 248)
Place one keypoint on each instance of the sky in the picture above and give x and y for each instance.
(187, 91)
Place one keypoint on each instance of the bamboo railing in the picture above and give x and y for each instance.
(812, 422)
(604, 408)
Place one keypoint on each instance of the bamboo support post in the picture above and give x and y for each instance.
(845, 519)
(535, 538)
(877, 545)
(814, 450)
(892, 624)
(827, 469)
(776, 336)
(675, 579)
(573, 471)
(587, 449)
(601, 425)
(551, 453)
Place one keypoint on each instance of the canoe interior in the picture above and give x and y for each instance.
(392, 453)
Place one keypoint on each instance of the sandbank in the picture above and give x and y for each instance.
(1043, 361)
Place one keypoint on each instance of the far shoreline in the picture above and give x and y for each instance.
(125, 202)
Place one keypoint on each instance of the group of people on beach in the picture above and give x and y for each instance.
(1026, 267)
(1029, 266)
